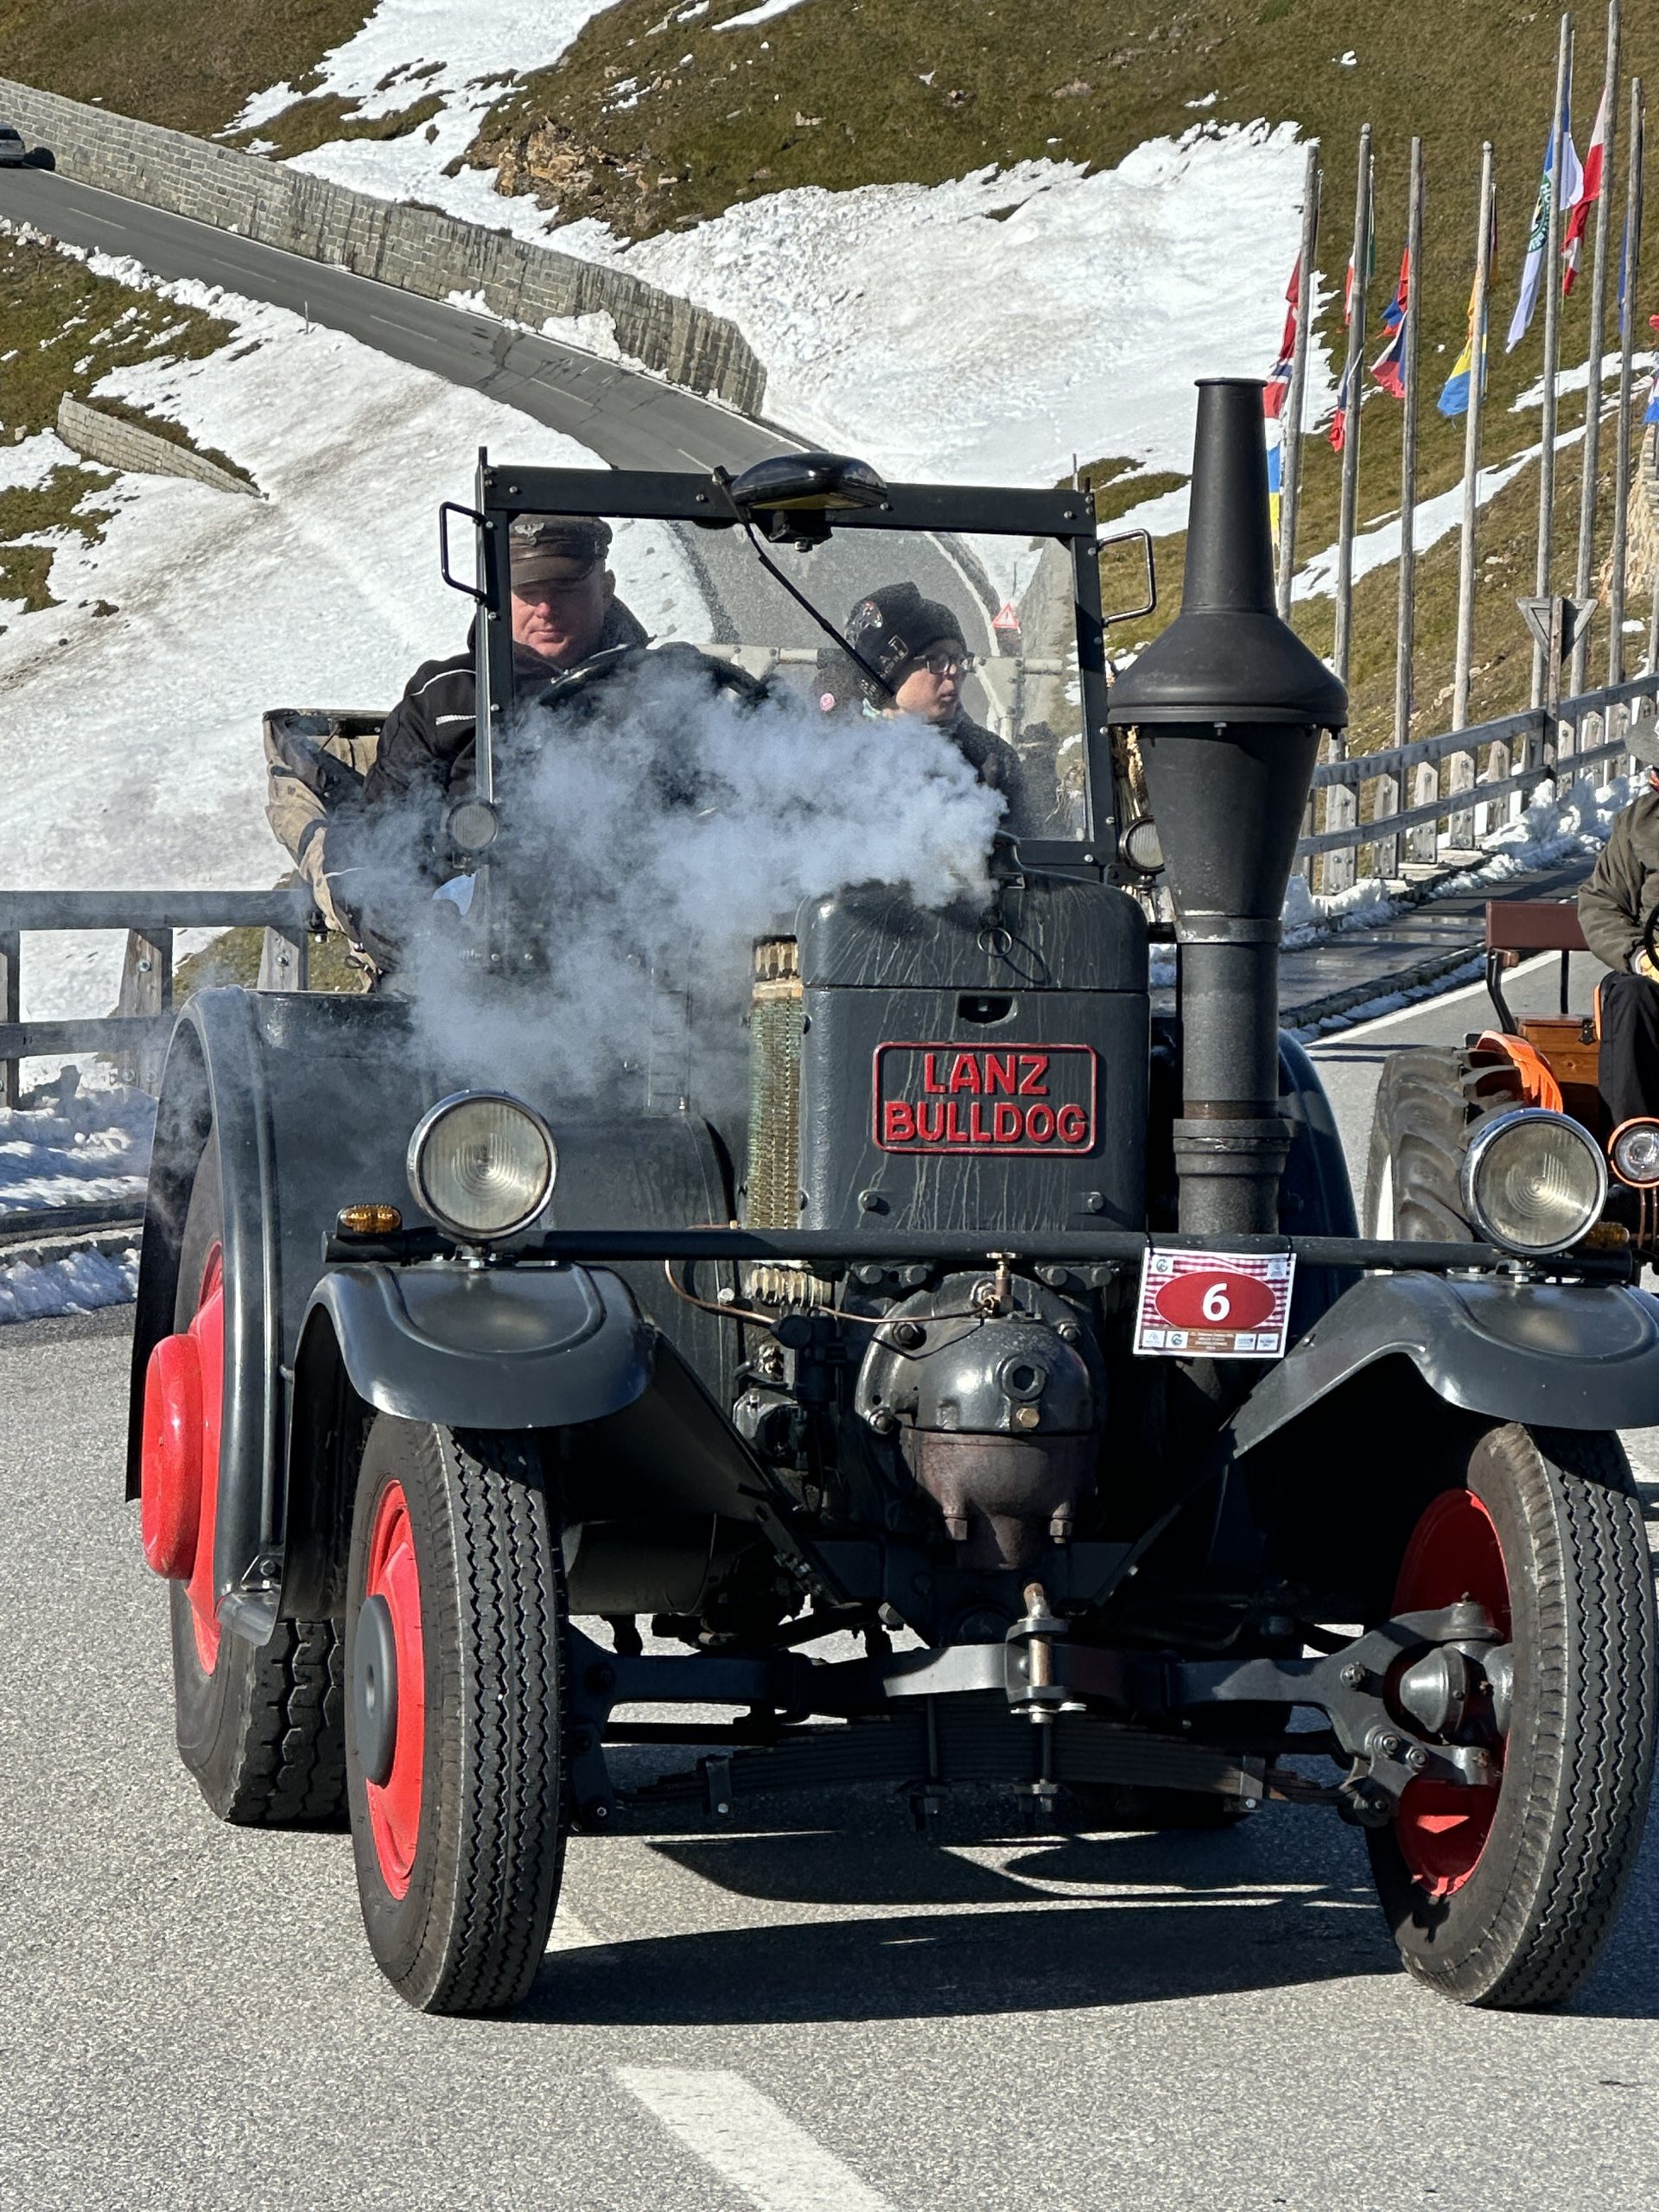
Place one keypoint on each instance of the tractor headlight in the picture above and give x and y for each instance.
(1533, 1181)
(482, 1165)
(1634, 1152)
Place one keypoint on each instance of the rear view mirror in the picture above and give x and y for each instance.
(1130, 537)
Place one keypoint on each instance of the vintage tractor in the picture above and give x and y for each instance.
(1437, 1107)
(1017, 1329)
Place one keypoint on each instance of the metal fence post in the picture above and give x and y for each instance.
(1341, 813)
(1388, 849)
(12, 945)
(147, 989)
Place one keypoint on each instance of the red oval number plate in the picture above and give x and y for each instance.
(1215, 1299)
(1215, 1305)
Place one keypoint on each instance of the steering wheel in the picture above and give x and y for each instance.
(721, 676)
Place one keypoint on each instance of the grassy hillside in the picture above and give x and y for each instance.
(190, 68)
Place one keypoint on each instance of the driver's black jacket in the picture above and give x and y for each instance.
(1624, 887)
(429, 737)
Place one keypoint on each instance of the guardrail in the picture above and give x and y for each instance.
(1471, 780)
(1445, 781)
(139, 1028)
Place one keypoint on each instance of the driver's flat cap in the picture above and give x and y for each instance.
(545, 546)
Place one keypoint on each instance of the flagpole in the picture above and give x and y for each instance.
(1405, 632)
(1472, 445)
(1351, 378)
(1544, 678)
(1626, 378)
(1290, 429)
(1592, 387)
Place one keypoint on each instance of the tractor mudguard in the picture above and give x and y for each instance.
(1563, 1356)
(514, 1347)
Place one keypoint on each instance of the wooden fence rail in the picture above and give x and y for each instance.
(139, 1029)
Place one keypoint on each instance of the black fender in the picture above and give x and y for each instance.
(309, 1099)
(1554, 1355)
(506, 1347)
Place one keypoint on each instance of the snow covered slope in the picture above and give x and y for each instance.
(131, 745)
(986, 329)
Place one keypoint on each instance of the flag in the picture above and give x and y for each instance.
(1276, 390)
(1338, 432)
(1454, 393)
(1389, 367)
(1589, 191)
(1538, 237)
(1652, 415)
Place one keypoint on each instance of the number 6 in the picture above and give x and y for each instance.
(1217, 1307)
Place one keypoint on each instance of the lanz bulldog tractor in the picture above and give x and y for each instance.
(1009, 1324)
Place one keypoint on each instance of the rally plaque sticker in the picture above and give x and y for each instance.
(1019, 1098)
(1215, 1305)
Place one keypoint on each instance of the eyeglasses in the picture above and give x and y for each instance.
(960, 664)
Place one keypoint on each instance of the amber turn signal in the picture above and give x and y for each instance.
(367, 1220)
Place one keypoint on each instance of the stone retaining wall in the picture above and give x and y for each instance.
(414, 248)
(98, 436)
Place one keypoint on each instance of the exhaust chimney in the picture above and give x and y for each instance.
(1228, 704)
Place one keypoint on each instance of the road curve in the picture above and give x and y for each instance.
(629, 419)
(840, 2017)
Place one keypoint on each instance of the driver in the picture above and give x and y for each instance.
(917, 646)
(565, 612)
(1622, 892)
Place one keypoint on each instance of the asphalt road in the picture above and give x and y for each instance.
(838, 2020)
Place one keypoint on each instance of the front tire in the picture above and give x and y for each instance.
(261, 1728)
(1504, 1895)
(1428, 1101)
(455, 1649)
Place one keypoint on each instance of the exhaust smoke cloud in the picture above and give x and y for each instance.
(652, 826)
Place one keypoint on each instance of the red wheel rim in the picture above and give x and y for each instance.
(208, 1330)
(1454, 1553)
(395, 1804)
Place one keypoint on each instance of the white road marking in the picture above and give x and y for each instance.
(749, 2141)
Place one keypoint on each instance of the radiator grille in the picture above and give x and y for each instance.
(773, 1180)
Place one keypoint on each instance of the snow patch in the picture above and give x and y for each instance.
(75, 1141)
(987, 328)
(77, 1284)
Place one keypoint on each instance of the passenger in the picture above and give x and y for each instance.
(565, 612)
(1613, 907)
(916, 645)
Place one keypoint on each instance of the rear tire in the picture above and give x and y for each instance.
(1505, 1896)
(455, 1643)
(261, 1728)
(1428, 1102)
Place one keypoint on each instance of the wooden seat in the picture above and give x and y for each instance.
(1515, 927)
(1533, 925)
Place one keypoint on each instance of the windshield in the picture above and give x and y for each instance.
(974, 638)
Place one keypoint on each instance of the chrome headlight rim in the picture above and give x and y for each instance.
(421, 1137)
(1481, 1144)
(1638, 1124)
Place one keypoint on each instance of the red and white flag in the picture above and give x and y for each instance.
(1578, 213)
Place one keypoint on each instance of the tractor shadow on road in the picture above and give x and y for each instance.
(1069, 1922)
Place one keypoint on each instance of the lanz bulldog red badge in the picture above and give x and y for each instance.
(971, 1098)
